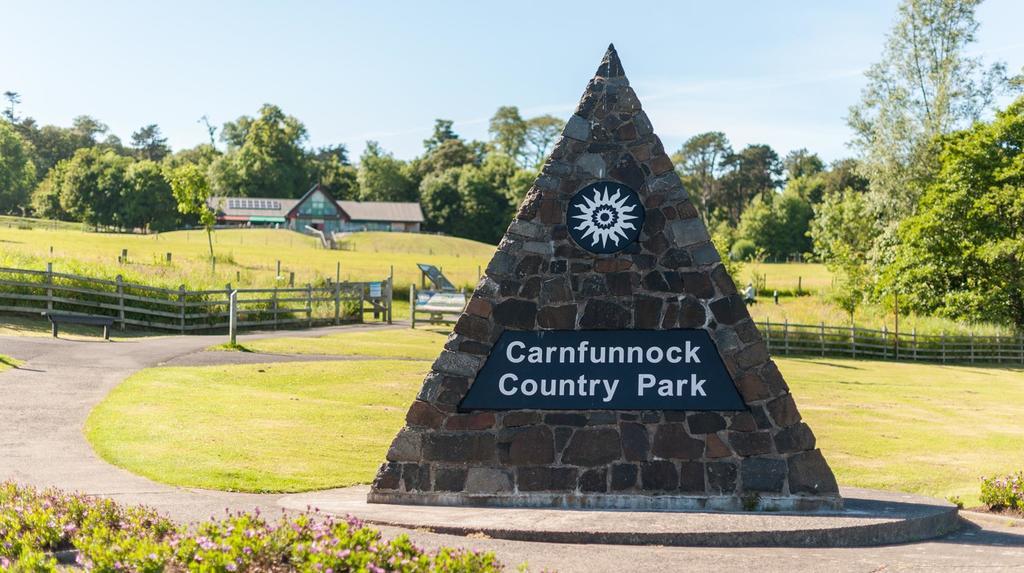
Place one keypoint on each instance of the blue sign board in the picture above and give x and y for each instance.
(604, 370)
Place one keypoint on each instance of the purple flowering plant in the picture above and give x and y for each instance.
(1003, 492)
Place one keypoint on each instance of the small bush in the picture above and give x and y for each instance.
(743, 250)
(1006, 492)
(111, 537)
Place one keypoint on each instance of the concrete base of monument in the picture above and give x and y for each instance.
(617, 502)
(867, 518)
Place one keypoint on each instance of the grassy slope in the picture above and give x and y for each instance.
(910, 427)
(280, 427)
(418, 344)
(251, 252)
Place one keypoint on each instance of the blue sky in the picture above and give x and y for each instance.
(782, 73)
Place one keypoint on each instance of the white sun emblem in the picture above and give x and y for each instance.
(605, 218)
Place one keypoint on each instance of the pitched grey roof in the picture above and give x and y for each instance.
(383, 211)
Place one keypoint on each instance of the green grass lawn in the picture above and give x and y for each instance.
(276, 427)
(925, 429)
(422, 344)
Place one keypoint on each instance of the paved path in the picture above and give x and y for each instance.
(44, 404)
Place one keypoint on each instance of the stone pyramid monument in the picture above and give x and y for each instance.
(605, 359)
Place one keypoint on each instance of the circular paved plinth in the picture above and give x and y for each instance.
(869, 518)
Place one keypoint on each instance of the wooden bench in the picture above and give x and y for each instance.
(437, 305)
(62, 318)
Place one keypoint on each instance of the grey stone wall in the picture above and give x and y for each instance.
(671, 278)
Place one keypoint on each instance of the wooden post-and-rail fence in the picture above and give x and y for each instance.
(179, 310)
(784, 338)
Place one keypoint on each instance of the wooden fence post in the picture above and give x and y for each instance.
(821, 337)
(914, 341)
(337, 302)
(120, 301)
(49, 287)
(412, 304)
(885, 342)
(785, 336)
(233, 317)
(309, 305)
(273, 306)
(181, 303)
(853, 340)
(768, 333)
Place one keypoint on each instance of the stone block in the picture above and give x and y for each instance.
(474, 421)
(672, 441)
(751, 443)
(406, 447)
(565, 419)
(729, 310)
(450, 478)
(474, 327)
(721, 477)
(646, 312)
(422, 414)
(488, 480)
(518, 418)
(691, 313)
(796, 438)
(691, 477)
(557, 317)
(544, 478)
(530, 445)
(763, 475)
(389, 476)
(705, 422)
(659, 475)
(705, 254)
(624, 476)
(676, 259)
(593, 447)
(599, 314)
(715, 448)
(809, 473)
(783, 411)
(461, 447)
(752, 387)
(635, 442)
(689, 231)
(594, 481)
(478, 306)
(517, 314)
(457, 364)
(577, 128)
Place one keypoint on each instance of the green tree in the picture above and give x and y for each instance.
(962, 254)
(192, 192)
(852, 280)
(541, 133)
(443, 207)
(149, 143)
(701, 162)
(17, 171)
(13, 98)
(442, 132)
(753, 172)
(383, 178)
(92, 184)
(926, 84)
(147, 201)
(508, 131)
(777, 225)
(265, 157)
(46, 196)
(802, 163)
(842, 221)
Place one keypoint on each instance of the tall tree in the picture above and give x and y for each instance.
(753, 172)
(701, 161)
(926, 84)
(802, 163)
(541, 133)
(17, 172)
(508, 131)
(442, 132)
(384, 178)
(265, 157)
(13, 98)
(192, 192)
(149, 143)
(962, 254)
(147, 201)
(92, 184)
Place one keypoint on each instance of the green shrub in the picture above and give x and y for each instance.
(111, 537)
(743, 250)
(1006, 492)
